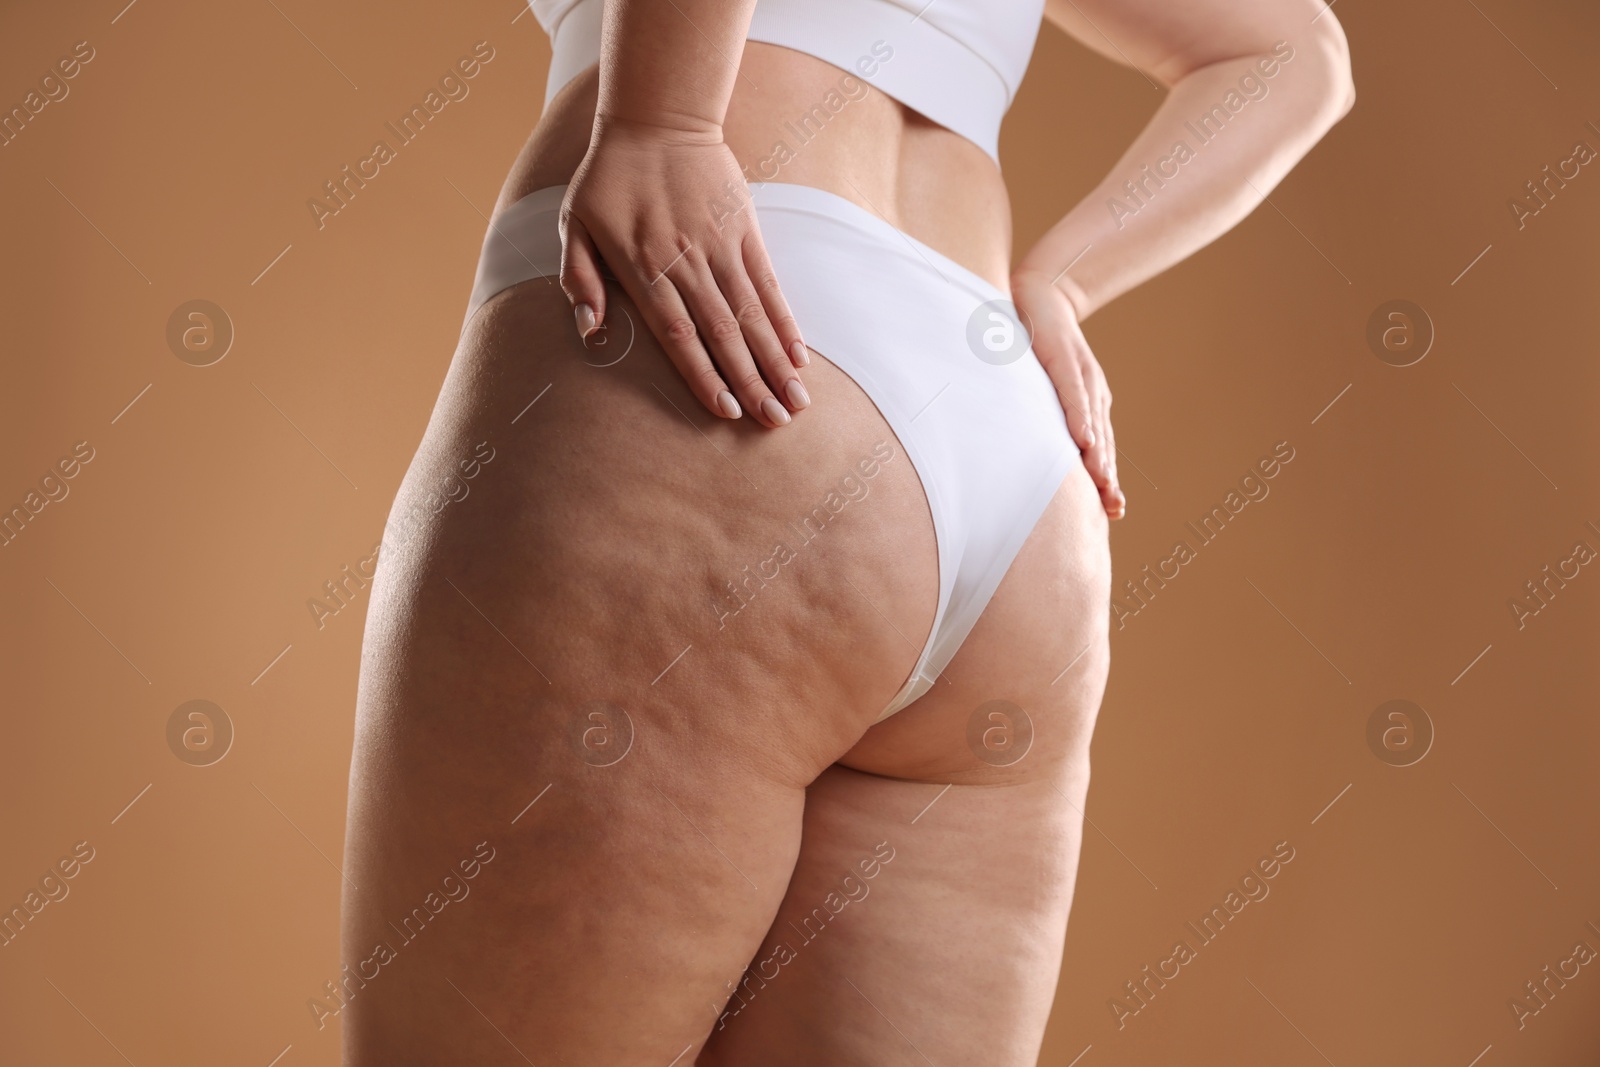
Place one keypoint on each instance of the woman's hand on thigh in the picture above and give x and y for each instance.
(668, 212)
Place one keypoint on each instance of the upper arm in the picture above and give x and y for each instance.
(1168, 39)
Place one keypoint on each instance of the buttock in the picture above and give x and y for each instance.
(937, 349)
(943, 354)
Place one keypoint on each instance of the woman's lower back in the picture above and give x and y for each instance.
(794, 118)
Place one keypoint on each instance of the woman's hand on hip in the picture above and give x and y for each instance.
(668, 211)
(1080, 384)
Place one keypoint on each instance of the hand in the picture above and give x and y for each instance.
(669, 213)
(1080, 383)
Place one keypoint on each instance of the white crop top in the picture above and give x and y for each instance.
(958, 62)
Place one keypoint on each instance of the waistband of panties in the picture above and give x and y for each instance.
(807, 199)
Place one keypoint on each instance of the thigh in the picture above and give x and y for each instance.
(926, 915)
(593, 692)
(923, 924)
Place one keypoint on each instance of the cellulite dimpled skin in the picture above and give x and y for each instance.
(986, 435)
(1400, 542)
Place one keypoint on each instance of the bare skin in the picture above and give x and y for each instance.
(677, 796)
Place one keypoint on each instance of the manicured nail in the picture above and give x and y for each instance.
(798, 354)
(798, 397)
(585, 316)
(774, 411)
(729, 406)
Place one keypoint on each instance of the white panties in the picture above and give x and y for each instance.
(986, 433)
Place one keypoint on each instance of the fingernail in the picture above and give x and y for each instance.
(585, 316)
(798, 397)
(798, 354)
(1088, 437)
(729, 406)
(774, 411)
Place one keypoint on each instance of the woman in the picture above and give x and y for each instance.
(738, 710)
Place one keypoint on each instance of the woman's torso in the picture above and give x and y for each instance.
(926, 180)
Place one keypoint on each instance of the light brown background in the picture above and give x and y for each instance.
(1382, 564)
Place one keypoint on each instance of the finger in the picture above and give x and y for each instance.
(668, 318)
(1074, 404)
(1116, 501)
(760, 338)
(1104, 461)
(1097, 457)
(723, 336)
(784, 327)
(580, 276)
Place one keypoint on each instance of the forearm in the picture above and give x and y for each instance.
(1226, 134)
(670, 63)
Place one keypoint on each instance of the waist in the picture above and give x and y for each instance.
(959, 64)
(797, 119)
